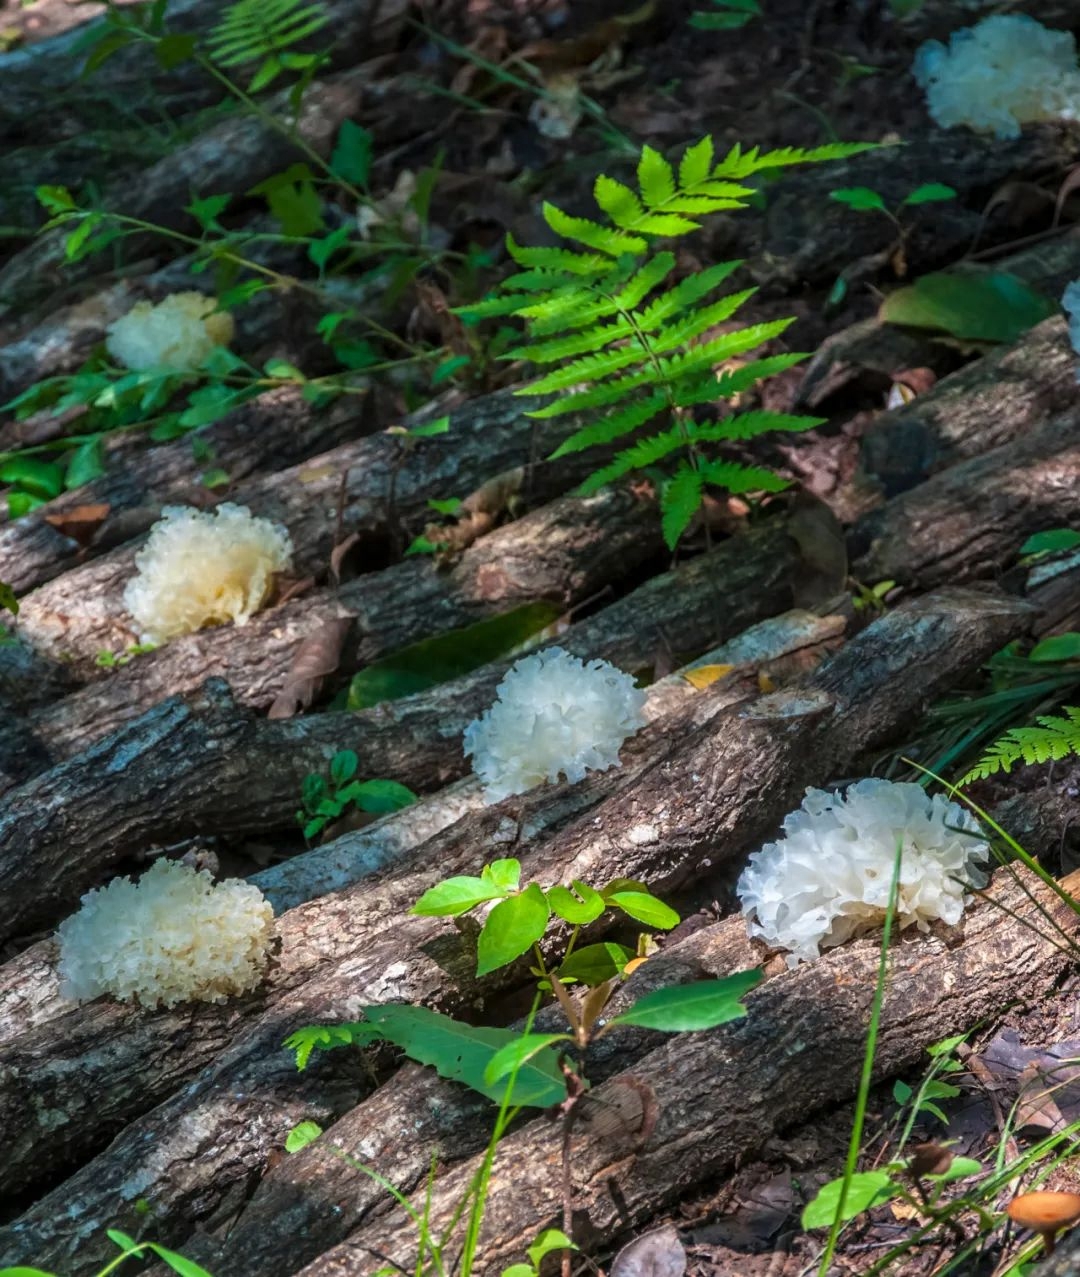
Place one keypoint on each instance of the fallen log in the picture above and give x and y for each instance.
(718, 790)
(385, 482)
(201, 764)
(970, 520)
(278, 428)
(720, 1095)
(29, 990)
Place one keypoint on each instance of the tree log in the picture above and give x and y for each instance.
(279, 428)
(564, 553)
(719, 1096)
(201, 764)
(81, 612)
(970, 520)
(718, 791)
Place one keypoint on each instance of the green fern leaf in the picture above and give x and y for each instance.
(614, 426)
(688, 291)
(656, 178)
(737, 478)
(618, 201)
(748, 425)
(588, 368)
(567, 309)
(1053, 739)
(667, 225)
(679, 502)
(693, 391)
(549, 352)
(710, 353)
(641, 284)
(252, 30)
(603, 238)
(739, 163)
(536, 281)
(699, 321)
(491, 307)
(696, 163)
(602, 396)
(645, 453)
(557, 259)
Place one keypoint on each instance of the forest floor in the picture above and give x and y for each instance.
(885, 582)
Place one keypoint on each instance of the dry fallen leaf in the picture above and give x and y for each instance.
(656, 1254)
(81, 523)
(316, 658)
(706, 675)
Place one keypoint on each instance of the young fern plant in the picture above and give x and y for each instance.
(1053, 738)
(629, 351)
(265, 31)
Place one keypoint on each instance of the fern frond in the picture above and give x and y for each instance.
(697, 163)
(748, 425)
(738, 478)
(656, 178)
(739, 163)
(548, 352)
(710, 353)
(708, 389)
(254, 29)
(679, 502)
(641, 284)
(1054, 738)
(614, 426)
(605, 239)
(556, 259)
(699, 321)
(493, 307)
(688, 291)
(602, 396)
(618, 201)
(569, 309)
(588, 368)
(646, 452)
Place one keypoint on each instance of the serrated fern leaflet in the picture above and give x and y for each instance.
(635, 352)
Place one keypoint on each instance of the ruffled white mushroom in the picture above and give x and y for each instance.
(554, 716)
(173, 936)
(204, 568)
(1005, 71)
(177, 333)
(830, 876)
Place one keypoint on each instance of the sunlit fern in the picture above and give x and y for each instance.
(627, 351)
(1054, 738)
(265, 31)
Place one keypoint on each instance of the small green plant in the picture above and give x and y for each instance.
(115, 660)
(729, 15)
(1053, 541)
(8, 601)
(129, 1249)
(325, 801)
(866, 200)
(1049, 739)
(628, 352)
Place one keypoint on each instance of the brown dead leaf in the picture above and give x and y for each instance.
(593, 1003)
(315, 659)
(81, 523)
(1035, 1107)
(478, 513)
(628, 1107)
(291, 587)
(656, 1254)
(706, 675)
(433, 311)
(338, 553)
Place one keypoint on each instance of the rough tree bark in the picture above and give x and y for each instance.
(385, 481)
(718, 792)
(202, 764)
(564, 553)
(971, 519)
(720, 1095)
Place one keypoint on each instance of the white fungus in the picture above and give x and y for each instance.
(178, 333)
(554, 715)
(1005, 71)
(830, 876)
(173, 936)
(204, 568)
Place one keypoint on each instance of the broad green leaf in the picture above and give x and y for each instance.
(578, 907)
(1050, 542)
(429, 429)
(595, 963)
(975, 306)
(42, 479)
(511, 929)
(515, 1270)
(450, 506)
(456, 895)
(178, 1263)
(865, 1189)
(901, 1092)
(930, 193)
(343, 766)
(550, 1240)
(379, 796)
(861, 197)
(959, 1168)
(301, 1135)
(55, 199)
(518, 1052)
(462, 1052)
(686, 1008)
(680, 500)
(171, 50)
(40, 1272)
(1059, 647)
(86, 462)
(645, 908)
(352, 154)
(448, 656)
(505, 874)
